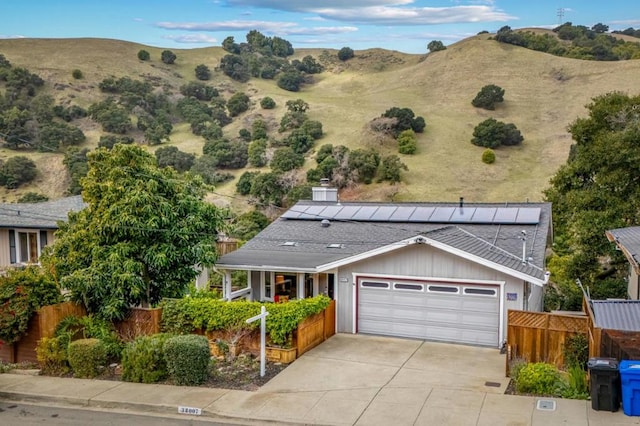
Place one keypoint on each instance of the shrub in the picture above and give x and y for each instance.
(187, 359)
(237, 104)
(22, 292)
(86, 356)
(285, 159)
(290, 80)
(16, 171)
(488, 96)
(345, 53)
(407, 142)
(143, 359)
(538, 378)
(267, 103)
(574, 384)
(203, 72)
(33, 197)
(492, 133)
(576, 351)
(488, 156)
(77, 74)
(51, 353)
(168, 57)
(143, 55)
(72, 328)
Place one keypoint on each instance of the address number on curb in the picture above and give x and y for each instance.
(190, 410)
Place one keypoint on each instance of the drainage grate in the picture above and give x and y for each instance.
(546, 405)
(492, 384)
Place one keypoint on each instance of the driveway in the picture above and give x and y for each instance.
(349, 362)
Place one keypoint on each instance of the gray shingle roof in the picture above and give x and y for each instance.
(38, 215)
(621, 315)
(628, 240)
(498, 243)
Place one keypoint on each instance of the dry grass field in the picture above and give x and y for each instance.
(543, 95)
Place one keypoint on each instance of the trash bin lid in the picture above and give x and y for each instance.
(602, 364)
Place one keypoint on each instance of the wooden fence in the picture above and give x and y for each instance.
(42, 324)
(142, 321)
(540, 336)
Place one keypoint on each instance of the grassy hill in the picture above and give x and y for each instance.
(543, 94)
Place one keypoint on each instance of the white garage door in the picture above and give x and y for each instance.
(449, 312)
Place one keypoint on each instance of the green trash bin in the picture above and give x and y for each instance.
(605, 384)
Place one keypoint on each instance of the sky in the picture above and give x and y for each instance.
(403, 25)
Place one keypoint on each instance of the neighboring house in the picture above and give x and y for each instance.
(628, 241)
(436, 271)
(26, 228)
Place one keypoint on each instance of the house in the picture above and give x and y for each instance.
(628, 241)
(435, 271)
(26, 228)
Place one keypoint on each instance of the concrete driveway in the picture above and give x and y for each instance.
(348, 361)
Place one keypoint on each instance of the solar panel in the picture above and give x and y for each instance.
(312, 212)
(383, 213)
(347, 212)
(422, 214)
(416, 214)
(402, 214)
(462, 214)
(442, 214)
(528, 215)
(506, 215)
(364, 213)
(331, 211)
(484, 215)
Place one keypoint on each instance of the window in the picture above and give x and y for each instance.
(374, 284)
(25, 245)
(443, 289)
(475, 291)
(267, 286)
(407, 286)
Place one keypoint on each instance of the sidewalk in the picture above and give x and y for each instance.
(402, 390)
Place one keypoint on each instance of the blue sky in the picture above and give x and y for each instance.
(404, 25)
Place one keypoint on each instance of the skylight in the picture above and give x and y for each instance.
(335, 246)
(289, 244)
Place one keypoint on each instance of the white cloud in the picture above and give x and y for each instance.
(281, 28)
(310, 5)
(628, 22)
(5, 36)
(192, 38)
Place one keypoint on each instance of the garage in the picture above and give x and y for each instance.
(460, 312)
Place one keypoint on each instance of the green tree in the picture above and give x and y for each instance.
(171, 156)
(300, 141)
(234, 67)
(290, 80)
(75, 161)
(488, 96)
(230, 45)
(141, 237)
(203, 72)
(406, 119)
(391, 168)
(597, 190)
(407, 142)
(285, 159)
(199, 90)
(268, 189)
(267, 103)
(109, 141)
(228, 154)
(168, 57)
(17, 171)
(436, 46)
(243, 187)
(492, 133)
(247, 225)
(345, 54)
(143, 55)
(297, 105)
(312, 128)
(238, 103)
(257, 152)
(365, 163)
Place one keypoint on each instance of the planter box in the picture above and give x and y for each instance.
(282, 355)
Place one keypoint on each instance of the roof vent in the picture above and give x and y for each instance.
(325, 223)
(324, 182)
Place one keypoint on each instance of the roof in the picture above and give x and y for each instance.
(43, 215)
(496, 243)
(621, 315)
(628, 240)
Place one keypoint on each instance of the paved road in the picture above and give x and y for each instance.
(21, 414)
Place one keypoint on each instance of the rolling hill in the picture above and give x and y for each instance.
(543, 95)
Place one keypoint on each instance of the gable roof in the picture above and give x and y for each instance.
(627, 240)
(43, 215)
(316, 248)
(621, 315)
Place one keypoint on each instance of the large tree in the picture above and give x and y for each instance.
(140, 238)
(596, 190)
